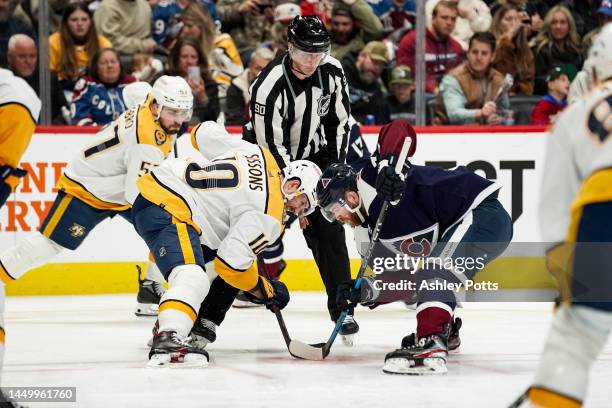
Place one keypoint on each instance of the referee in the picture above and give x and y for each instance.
(300, 110)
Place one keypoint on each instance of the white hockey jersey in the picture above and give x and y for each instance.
(104, 174)
(231, 195)
(19, 111)
(579, 147)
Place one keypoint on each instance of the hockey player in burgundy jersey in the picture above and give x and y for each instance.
(440, 216)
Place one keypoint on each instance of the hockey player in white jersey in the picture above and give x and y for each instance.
(100, 182)
(576, 223)
(225, 211)
(19, 110)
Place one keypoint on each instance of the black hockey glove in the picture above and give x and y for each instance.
(274, 294)
(347, 296)
(390, 185)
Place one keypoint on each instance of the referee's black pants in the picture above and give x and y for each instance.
(328, 245)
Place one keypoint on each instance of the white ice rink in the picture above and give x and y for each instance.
(96, 344)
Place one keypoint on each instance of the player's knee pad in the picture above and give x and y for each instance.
(188, 283)
(29, 253)
(576, 338)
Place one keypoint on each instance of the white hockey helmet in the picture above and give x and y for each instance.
(174, 94)
(600, 54)
(308, 174)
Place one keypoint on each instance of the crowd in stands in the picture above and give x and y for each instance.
(472, 48)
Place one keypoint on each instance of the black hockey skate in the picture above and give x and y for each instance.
(203, 332)
(419, 357)
(149, 295)
(453, 342)
(348, 330)
(169, 350)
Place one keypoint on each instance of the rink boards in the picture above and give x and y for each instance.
(105, 263)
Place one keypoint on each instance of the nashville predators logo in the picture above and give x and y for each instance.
(76, 230)
(160, 137)
(323, 105)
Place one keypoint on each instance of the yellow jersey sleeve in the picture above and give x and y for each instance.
(16, 129)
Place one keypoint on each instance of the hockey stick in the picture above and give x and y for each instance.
(281, 323)
(520, 400)
(321, 350)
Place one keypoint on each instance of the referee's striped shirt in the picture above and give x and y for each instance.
(296, 118)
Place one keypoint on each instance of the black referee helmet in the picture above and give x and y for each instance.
(307, 33)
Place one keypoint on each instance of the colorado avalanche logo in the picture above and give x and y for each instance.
(414, 248)
(417, 244)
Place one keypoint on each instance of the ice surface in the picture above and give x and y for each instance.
(96, 344)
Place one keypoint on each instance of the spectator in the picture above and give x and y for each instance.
(187, 60)
(532, 12)
(73, 44)
(246, 22)
(547, 109)
(557, 44)
(283, 15)
(353, 24)
(98, 97)
(584, 13)
(10, 25)
(468, 93)
(399, 104)
(238, 96)
(318, 8)
(442, 52)
(166, 18)
(513, 55)
(473, 16)
(22, 59)
(127, 24)
(397, 17)
(604, 15)
(219, 48)
(362, 75)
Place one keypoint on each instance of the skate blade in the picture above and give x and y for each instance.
(348, 339)
(401, 366)
(241, 304)
(146, 309)
(192, 360)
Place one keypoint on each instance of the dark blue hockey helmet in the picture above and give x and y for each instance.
(334, 182)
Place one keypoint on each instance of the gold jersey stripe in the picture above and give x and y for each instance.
(596, 188)
(183, 236)
(2, 335)
(180, 306)
(157, 193)
(5, 277)
(275, 203)
(57, 215)
(549, 399)
(76, 189)
(194, 140)
(241, 279)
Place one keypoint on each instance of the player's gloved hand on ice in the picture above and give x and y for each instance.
(389, 184)
(272, 293)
